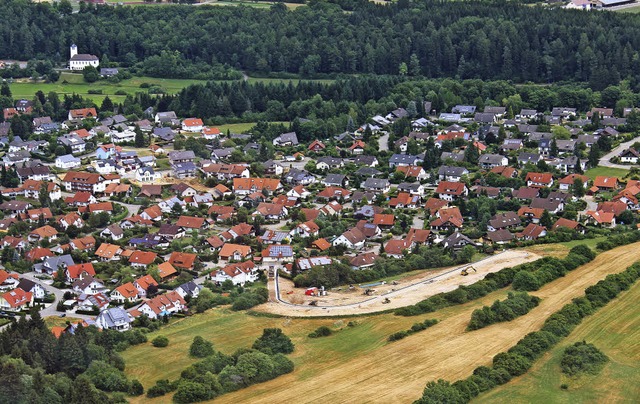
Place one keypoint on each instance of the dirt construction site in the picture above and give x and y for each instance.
(410, 290)
(397, 372)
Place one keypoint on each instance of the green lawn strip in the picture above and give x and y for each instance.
(615, 329)
(607, 172)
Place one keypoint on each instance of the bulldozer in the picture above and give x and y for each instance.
(466, 270)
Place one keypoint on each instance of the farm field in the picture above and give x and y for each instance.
(357, 364)
(75, 84)
(614, 329)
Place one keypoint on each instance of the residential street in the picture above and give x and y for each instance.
(58, 293)
(604, 160)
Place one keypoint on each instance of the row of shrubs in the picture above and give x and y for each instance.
(549, 269)
(417, 327)
(552, 269)
(218, 373)
(516, 305)
(519, 359)
(618, 240)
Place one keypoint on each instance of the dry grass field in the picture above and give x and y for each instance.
(357, 364)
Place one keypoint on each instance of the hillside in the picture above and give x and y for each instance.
(357, 363)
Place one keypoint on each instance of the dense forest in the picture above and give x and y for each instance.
(477, 39)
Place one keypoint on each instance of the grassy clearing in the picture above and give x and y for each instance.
(74, 83)
(356, 364)
(60, 321)
(70, 83)
(239, 128)
(615, 330)
(592, 173)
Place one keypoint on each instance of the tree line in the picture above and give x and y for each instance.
(431, 38)
(516, 305)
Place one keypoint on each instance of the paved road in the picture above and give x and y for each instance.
(604, 160)
(58, 293)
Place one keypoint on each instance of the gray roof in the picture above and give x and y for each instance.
(376, 183)
(114, 316)
(330, 161)
(190, 288)
(222, 153)
(56, 262)
(165, 133)
(405, 186)
(296, 175)
(182, 155)
(365, 160)
(452, 171)
(528, 158)
(83, 57)
(334, 179)
(404, 159)
(491, 159)
(166, 116)
(68, 158)
(367, 172)
(453, 156)
(464, 109)
(289, 137)
(184, 167)
(485, 117)
(495, 110)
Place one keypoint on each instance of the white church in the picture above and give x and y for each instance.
(78, 61)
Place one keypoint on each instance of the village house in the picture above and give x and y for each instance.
(114, 318)
(239, 273)
(450, 191)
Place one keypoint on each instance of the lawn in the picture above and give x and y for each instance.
(606, 171)
(74, 83)
(239, 128)
(615, 330)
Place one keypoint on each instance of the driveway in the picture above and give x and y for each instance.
(383, 142)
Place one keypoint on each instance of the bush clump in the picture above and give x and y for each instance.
(200, 348)
(417, 327)
(516, 305)
(273, 341)
(160, 341)
(582, 357)
(322, 331)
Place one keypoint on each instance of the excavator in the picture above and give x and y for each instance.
(466, 270)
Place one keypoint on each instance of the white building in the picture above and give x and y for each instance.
(146, 174)
(78, 61)
(67, 162)
(127, 136)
